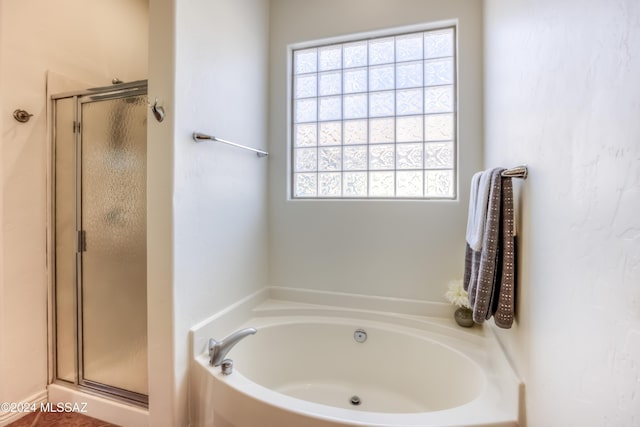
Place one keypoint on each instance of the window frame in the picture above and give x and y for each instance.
(366, 37)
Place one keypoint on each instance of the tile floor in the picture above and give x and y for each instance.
(61, 419)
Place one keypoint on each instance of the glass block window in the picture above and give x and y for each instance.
(375, 118)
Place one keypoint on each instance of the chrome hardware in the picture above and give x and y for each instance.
(360, 335)
(517, 172)
(227, 366)
(355, 400)
(116, 81)
(158, 111)
(22, 116)
(197, 137)
(219, 349)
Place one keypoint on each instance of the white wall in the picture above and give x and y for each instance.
(86, 41)
(217, 248)
(407, 249)
(561, 94)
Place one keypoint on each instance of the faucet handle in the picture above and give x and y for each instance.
(227, 366)
(213, 344)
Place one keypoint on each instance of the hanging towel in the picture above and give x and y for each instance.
(504, 305)
(468, 267)
(478, 200)
(488, 255)
(473, 206)
(490, 272)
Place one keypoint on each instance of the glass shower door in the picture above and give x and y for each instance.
(112, 314)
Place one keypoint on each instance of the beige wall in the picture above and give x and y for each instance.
(89, 42)
(561, 94)
(160, 172)
(407, 249)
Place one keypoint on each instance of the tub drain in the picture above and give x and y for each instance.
(355, 400)
(360, 335)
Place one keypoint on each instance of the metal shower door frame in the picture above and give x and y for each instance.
(125, 90)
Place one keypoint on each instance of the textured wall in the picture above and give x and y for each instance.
(219, 192)
(561, 94)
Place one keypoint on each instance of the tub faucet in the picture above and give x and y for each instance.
(219, 349)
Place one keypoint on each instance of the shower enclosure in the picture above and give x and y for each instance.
(99, 240)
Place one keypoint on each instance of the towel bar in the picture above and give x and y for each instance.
(517, 172)
(197, 137)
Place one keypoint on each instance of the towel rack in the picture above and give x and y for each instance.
(197, 137)
(517, 172)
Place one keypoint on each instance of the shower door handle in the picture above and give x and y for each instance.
(82, 241)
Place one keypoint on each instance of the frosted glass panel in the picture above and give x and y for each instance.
(355, 132)
(409, 156)
(330, 58)
(409, 184)
(330, 133)
(114, 281)
(409, 101)
(330, 108)
(355, 80)
(381, 104)
(65, 239)
(355, 157)
(438, 127)
(438, 43)
(381, 78)
(381, 51)
(409, 47)
(355, 184)
(306, 86)
(306, 135)
(355, 106)
(409, 129)
(330, 159)
(355, 54)
(439, 155)
(381, 130)
(306, 110)
(305, 159)
(438, 99)
(409, 75)
(305, 184)
(329, 184)
(439, 184)
(438, 72)
(330, 83)
(306, 61)
(381, 184)
(381, 156)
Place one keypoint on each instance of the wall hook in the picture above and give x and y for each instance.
(22, 116)
(158, 111)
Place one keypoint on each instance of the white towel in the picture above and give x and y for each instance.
(478, 200)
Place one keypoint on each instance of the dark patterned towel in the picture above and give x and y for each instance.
(503, 308)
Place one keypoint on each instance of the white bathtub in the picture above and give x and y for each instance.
(304, 368)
